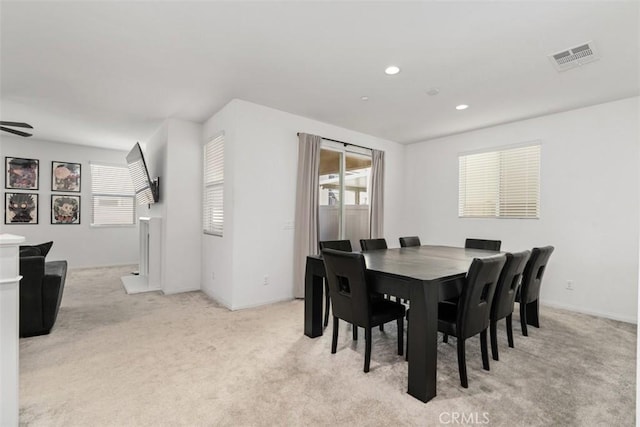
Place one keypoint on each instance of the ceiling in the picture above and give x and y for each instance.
(107, 73)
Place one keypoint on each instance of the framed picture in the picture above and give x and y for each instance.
(65, 209)
(20, 208)
(21, 174)
(65, 177)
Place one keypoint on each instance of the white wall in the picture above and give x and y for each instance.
(638, 329)
(261, 146)
(217, 251)
(81, 245)
(589, 202)
(174, 154)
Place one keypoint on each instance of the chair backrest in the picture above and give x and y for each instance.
(372, 244)
(338, 245)
(508, 283)
(474, 304)
(409, 241)
(491, 245)
(348, 288)
(533, 272)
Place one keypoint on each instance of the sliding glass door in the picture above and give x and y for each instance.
(344, 194)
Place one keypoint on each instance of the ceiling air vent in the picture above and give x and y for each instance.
(575, 56)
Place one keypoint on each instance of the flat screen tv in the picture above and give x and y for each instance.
(147, 190)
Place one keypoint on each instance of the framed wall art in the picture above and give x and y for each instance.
(21, 174)
(65, 209)
(65, 177)
(20, 208)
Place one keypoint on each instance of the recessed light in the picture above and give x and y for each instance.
(364, 98)
(462, 107)
(391, 70)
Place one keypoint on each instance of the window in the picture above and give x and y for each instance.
(500, 184)
(112, 195)
(343, 205)
(213, 194)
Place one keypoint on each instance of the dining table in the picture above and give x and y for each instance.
(423, 275)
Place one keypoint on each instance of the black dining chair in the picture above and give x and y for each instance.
(406, 242)
(372, 244)
(490, 245)
(505, 295)
(471, 315)
(353, 302)
(339, 245)
(530, 288)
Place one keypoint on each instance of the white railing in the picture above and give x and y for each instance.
(356, 223)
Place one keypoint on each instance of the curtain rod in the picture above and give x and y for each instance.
(342, 142)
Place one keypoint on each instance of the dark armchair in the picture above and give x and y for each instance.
(41, 290)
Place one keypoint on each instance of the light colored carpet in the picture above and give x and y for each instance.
(148, 359)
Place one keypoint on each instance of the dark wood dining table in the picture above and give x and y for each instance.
(423, 275)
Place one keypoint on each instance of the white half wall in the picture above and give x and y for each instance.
(589, 202)
(81, 245)
(261, 149)
(174, 155)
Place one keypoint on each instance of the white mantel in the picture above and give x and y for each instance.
(9, 328)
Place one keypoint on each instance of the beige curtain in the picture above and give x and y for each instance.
(376, 213)
(306, 225)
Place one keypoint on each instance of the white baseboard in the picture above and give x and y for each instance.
(259, 304)
(606, 315)
(134, 266)
(180, 290)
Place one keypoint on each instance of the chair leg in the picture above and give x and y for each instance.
(400, 322)
(485, 351)
(327, 303)
(462, 363)
(523, 318)
(367, 348)
(445, 338)
(334, 341)
(532, 314)
(509, 331)
(494, 340)
(354, 332)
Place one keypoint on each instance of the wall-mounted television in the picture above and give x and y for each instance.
(147, 190)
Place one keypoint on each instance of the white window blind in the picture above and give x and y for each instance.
(500, 184)
(213, 196)
(112, 194)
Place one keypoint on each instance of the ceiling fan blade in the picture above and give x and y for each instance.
(16, 124)
(15, 132)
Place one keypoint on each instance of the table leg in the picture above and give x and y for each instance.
(423, 335)
(313, 292)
